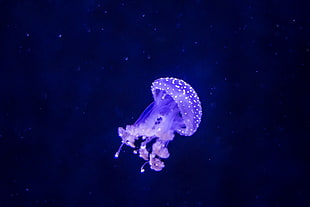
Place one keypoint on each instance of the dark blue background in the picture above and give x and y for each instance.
(74, 71)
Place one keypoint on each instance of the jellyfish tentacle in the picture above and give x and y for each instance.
(160, 149)
(142, 167)
(145, 113)
(155, 163)
(118, 151)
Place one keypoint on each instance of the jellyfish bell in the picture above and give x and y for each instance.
(185, 98)
(176, 108)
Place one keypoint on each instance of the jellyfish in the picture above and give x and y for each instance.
(176, 109)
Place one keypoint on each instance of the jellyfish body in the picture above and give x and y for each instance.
(176, 108)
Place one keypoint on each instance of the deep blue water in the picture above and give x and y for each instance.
(72, 72)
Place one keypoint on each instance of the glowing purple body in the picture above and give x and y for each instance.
(176, 108)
